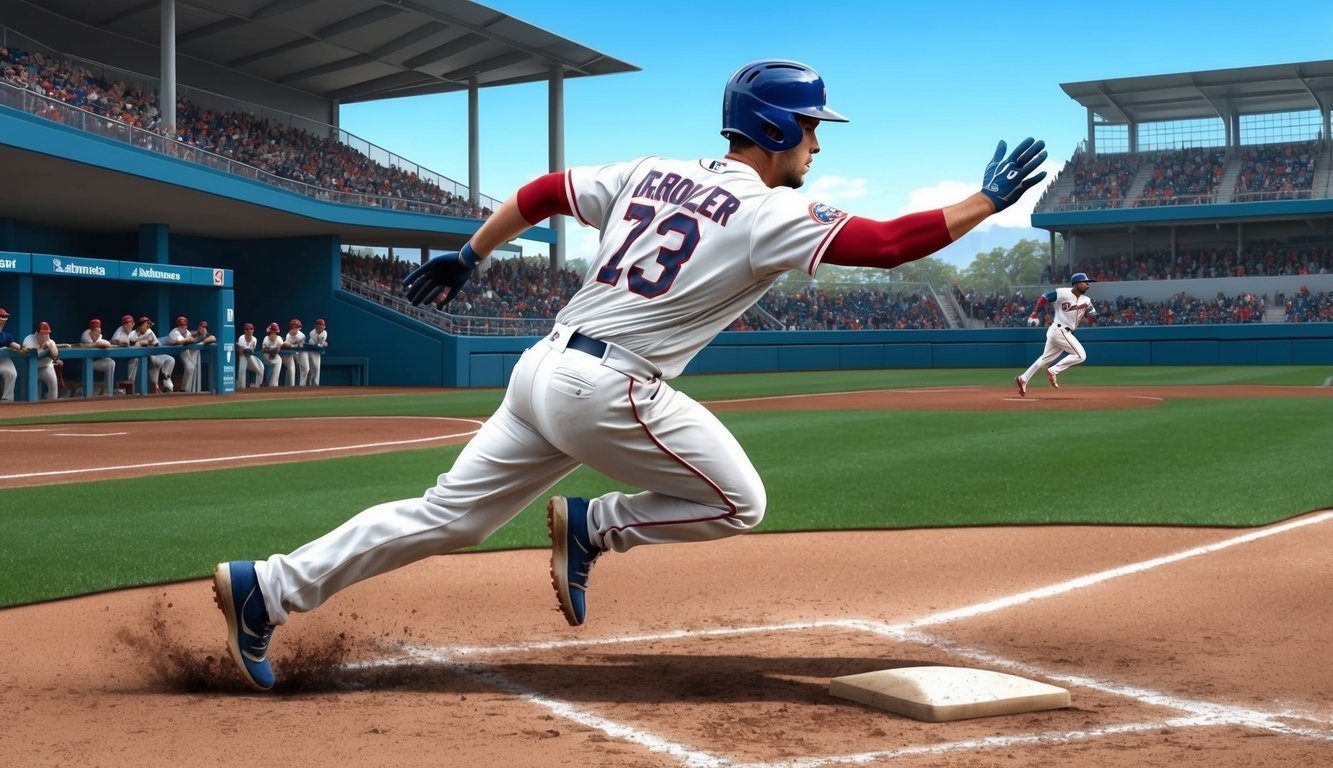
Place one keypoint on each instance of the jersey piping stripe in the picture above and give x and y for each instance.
(573, 198)
(1070, 335)
(823, 246)
(720, 493)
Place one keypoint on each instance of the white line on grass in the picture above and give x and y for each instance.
(251, 456)
(927, 391)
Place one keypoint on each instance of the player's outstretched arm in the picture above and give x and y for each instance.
(537, 200)
(886, 244)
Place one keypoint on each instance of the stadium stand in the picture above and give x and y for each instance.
(281, 151)
(1276, 172)
(1183, 177)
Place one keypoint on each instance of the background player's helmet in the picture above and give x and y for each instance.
(773, 93)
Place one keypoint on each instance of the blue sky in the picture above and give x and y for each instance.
(929, 87)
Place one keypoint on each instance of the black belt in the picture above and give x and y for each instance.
(587, 344)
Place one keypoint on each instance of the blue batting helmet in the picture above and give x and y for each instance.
(773, 93)
(1080, 277)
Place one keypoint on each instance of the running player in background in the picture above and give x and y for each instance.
(1071, 305)
(686, 246)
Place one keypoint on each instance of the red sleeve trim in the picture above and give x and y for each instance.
(543, 198)
(887, 244)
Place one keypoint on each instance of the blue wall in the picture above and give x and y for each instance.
(487, 362)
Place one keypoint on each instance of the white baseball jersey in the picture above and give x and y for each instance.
(271, 344)
(1069, 309)
(319, 338)
(32, 342)
(251, 343)
(122, 336)
(295, 338)
(686, 247)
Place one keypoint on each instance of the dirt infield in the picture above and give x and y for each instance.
(1187, 647)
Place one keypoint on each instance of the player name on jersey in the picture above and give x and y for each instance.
(710, 201)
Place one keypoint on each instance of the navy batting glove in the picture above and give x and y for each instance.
(448, 270)
(1005, 182)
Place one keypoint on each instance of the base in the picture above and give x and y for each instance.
(940, 694)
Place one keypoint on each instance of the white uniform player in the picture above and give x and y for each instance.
(160, 367)
(686, 246)
(181, 335)
(125, 337)
(92, 337)
(9, 374)
(294, 366)
(1071, 306)
(272, 347)
(40, 345)
(319, 339)
(247, 358)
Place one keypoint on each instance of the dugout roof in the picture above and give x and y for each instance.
(351, 50)
(1207, 94)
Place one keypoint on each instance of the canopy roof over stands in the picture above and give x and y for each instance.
(1212, 93)
(352, 50)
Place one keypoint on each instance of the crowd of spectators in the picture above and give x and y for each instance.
(852, 309)
(1102, 179)
(1183, 177)
(1261, 259)
(1275, 171)
(1306, 307)
(1010, 310)
(275, 149)
(527, 288)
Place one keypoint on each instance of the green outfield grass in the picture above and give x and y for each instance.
(1214, 462)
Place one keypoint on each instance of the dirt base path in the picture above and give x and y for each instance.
(1182, 647)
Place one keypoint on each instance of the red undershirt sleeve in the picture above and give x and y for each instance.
(885, 244)
(543, 198)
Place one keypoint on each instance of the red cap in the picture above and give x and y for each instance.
(94, 323)
(203, 323)
(249, 327)
(4, 312)
(294, 323)
(126, 319)
(144, 319)
(319, 323)
(43, 327)
(182, 320)
(273, 327)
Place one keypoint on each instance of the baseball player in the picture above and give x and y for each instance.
(272, 346)
(40, 342)
(295, 365)
(9, 374)
(125, 336)
(247, 360)
(160, 367)
(181, 335)
(1071, 306)
(686, 246)
(316, 342)
(92, 337)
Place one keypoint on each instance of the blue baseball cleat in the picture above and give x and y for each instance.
(236, 589)
(572, 554)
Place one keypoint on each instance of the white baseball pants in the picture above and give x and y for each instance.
(563, 408)
(107, 367)
(46, 375)
(1059, 341)
(9, 376)
(313, 361)
(247, 365)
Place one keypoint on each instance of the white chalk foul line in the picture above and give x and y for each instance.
(989, 742)
(1113, 573)
(1202, 713)
(87, 434)
(250, 456)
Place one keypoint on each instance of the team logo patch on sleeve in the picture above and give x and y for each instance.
(825, 214)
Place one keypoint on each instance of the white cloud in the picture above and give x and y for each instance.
(837, 191)
(947, 193)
